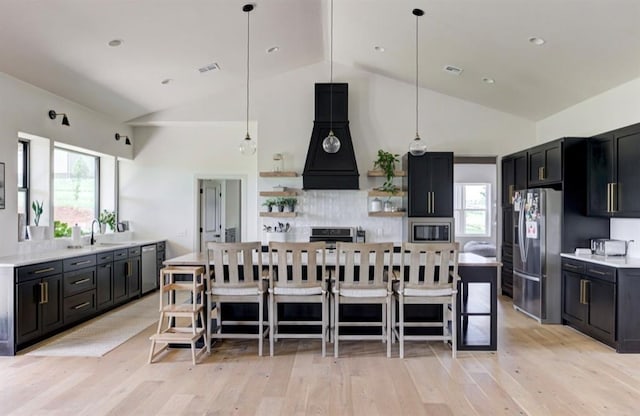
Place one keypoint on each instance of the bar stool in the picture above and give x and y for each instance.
(171, 310)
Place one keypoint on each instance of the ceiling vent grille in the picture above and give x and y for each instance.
(211, 67)
(453, 70)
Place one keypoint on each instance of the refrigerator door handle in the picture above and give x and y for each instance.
(526, 277)
(521, 239)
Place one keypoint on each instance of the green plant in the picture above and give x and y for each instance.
(109, 218)
(386, 161)
(37, 208)
(290, 202)
(269, 203)
(61, 229)
(280, 203)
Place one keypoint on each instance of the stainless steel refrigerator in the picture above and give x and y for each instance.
(537, 284)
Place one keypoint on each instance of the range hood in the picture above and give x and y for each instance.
(324, 170)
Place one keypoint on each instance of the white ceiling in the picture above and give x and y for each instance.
(61, 46)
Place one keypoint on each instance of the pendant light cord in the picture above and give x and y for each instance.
(248, 13)
(331, 75)
(417, 17)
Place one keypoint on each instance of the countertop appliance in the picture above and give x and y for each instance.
(429, 230)
(332, 235)
(537, 236)
(149, 268)
(606, 247)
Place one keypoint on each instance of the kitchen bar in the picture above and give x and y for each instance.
(476, 301)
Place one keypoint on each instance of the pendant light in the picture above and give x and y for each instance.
(248, 146)
(418, 147)
(331, 144)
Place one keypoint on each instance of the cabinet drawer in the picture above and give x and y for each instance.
(79, 281)
(575, 266)
(105, 258)
(161, 245)
(79, 263)
(120, 254)
(601, 272)
(78, 306)
(36, 271)
(135, 251)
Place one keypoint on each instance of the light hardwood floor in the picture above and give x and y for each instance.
(538, 370)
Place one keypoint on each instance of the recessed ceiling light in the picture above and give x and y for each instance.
(378, 48)
(115, 42)
(273, 49)
(536, 41)
(453, 70)
(166, 81)
(488, 80)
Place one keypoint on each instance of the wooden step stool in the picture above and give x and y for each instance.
(170, 310)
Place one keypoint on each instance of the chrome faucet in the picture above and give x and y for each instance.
(93, 240)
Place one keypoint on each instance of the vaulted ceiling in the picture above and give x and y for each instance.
(62, 46)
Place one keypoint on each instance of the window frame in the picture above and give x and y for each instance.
(96, 208)
(26, 177)
(459, 212)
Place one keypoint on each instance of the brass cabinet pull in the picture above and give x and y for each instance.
(128, 273)
(79, 282)
(433, 202)
(608, 197)
(41, 293)
(48, 269)
(80, 263)
(428, 202)
(540, 173)
(614, 197)
(597, 272)
(582, 291)
(511, 192)
(82, 305)
(586, 292)
(571, 266)
(46, 292)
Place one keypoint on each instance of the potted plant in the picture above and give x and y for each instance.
(280, 203)
(290, 203)
(386, 162)
(105, 218)
(278, 232)
(269, 203)
(37, 232)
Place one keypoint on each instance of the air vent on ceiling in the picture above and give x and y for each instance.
(211, 67)
(453, 70)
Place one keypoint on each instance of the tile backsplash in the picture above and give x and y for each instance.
(338, 208)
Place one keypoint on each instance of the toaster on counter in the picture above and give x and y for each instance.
(606, 247)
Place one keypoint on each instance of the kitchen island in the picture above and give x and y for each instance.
(476, 301)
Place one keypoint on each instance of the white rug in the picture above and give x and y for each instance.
(98, 336)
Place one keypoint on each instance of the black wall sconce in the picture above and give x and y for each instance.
(127, 141)
(53, 115)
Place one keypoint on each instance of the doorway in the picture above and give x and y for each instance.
(220, 211)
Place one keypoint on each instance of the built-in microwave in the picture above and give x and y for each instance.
(429, 230)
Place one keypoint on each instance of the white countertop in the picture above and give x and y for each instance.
(464, 259)
(26, 259)
(621, 262)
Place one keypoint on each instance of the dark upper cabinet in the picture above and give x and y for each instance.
(429, 184)
(545, 164)
(613, 175)
(514, 176)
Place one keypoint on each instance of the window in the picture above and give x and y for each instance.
(23, 179)
(75, 188)
(472, 210)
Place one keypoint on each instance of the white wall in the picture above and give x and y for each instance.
(158, 189)
(381, 114)
(610, 110)
(24, 108)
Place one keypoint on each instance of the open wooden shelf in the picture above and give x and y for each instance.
(278, 174)
(279, 214)
(379, 173)
(387, 214)
(291, 192)
(375, 192)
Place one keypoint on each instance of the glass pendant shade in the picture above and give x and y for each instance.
(418, 147)
(248, 146)
(331, 144)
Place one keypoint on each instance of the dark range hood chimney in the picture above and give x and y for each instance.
(324, 170)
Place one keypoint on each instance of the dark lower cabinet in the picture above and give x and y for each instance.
(133, 278)
(104, 285)
(590, 299)
(126, 278)
(39, 308)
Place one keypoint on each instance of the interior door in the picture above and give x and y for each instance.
(211, 208)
